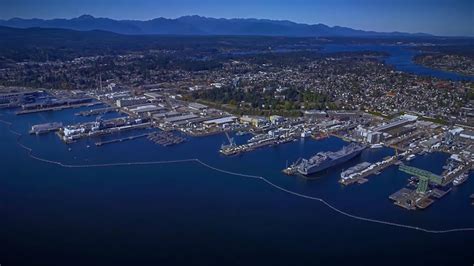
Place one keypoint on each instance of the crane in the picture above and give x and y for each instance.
(231, 140)
(424, 177)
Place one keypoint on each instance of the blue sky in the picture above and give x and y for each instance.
(440, 17)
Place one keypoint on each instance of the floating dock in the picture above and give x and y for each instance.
(410, 199)
(165, 138)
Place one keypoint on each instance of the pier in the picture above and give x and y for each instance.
(100, 143)
(99, 132)
(234, 150)
(99, 111)
(56, 108)
(45, 128)
(165, 138)
(375, 168)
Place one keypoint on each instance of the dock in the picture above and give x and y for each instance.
(45, 128)
(235, 150)
(438, 193)
(375, 168)
(101, 132)
(99, 111)
(165, 138)
(411, 200)
(56, 108)
(101, 143)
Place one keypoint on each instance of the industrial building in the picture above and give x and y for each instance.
(131, 101)
(220, 121)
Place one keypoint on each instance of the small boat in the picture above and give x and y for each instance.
(411, 157)
(376, 146)
(460, 179)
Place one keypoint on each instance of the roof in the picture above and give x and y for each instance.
(467, 134)
(145, 108)
(221, 120)
(180, 118)
(197, 106)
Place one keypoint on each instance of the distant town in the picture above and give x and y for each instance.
(276, 97)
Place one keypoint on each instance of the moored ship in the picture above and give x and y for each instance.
(460, 179)
(324, 160)
(45, 128)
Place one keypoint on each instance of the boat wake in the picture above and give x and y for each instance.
(261, 178)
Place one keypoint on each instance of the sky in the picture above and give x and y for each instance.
(439, 17)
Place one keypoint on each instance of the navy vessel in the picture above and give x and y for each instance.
(325, 160)
(45, 128)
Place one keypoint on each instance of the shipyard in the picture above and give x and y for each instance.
(170, 119)
(254, 106)
(259, 132)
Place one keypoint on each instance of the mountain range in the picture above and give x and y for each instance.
(198, 25)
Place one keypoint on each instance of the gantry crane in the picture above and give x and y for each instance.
(424, 177)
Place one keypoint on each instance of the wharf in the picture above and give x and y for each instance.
(438, 193)
(105, 131)
(410, 199)
(10, 105)
(56, 108)
(377, 168)
(45, 128)
(100, 143)
(204, 133)
(253, 146)
(97, 111)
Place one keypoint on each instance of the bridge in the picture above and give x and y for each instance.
(424, 177)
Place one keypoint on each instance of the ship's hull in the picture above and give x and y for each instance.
(328, 164)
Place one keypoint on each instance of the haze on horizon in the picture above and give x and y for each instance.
(438, 17)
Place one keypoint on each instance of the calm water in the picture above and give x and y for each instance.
(400, 57)
(188, 214)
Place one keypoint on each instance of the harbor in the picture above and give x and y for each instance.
(165, 120)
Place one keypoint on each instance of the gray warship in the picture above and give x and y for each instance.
(324, 160)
